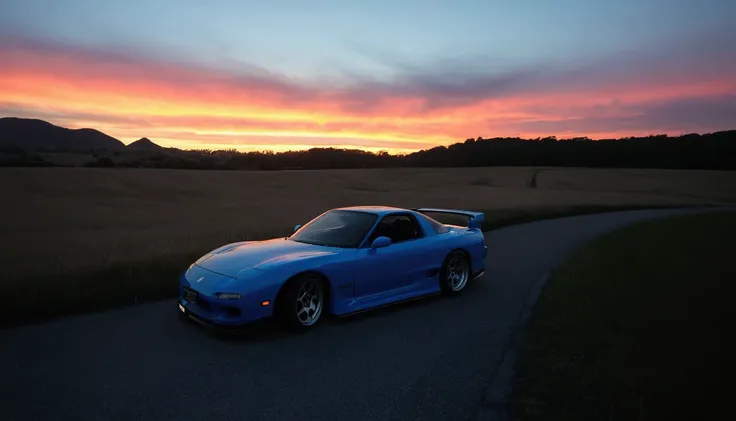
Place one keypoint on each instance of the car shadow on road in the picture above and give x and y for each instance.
(269, 330)
(266, 330)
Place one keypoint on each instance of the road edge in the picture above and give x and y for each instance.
(494, 406)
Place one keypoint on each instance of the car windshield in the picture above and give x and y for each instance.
(337, 228)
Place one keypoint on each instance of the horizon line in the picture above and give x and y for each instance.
(373, 150)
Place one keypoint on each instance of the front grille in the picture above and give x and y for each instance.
(190, 295)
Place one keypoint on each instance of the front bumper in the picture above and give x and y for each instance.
(225, 313)
(200, 304)
(218, 328)
(198, 301)
(187, 315)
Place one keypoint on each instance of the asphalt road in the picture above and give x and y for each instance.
(437, 358)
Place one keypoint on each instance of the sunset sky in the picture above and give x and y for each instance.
(399, 75)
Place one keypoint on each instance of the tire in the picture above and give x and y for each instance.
(455, 273)
(301, 303)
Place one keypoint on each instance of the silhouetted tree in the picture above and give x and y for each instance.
(690, 151)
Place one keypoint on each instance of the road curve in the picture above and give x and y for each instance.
(430, 359)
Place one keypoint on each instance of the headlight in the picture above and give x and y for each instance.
(228, 296)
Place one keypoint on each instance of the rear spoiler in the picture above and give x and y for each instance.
(475, 219)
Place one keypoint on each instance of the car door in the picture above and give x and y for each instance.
(398, 266)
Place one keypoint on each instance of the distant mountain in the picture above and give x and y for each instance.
(39, 135)
(145, 144)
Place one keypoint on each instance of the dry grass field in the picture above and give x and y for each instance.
(84, 228)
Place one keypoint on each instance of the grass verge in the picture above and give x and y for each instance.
(499, 218)
(633, 327)
(39, 298)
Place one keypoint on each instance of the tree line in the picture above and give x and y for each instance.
(690, 151)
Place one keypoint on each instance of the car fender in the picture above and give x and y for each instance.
(334, 267)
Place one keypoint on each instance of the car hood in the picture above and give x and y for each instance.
(233, 259)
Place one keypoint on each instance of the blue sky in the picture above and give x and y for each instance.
(306, 38)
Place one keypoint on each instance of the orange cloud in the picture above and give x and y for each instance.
(189, 107)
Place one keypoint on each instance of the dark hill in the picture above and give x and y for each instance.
(39, 135)
(144, 144)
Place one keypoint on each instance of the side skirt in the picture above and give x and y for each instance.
(406, 300)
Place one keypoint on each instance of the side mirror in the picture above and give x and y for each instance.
(296, 227)
(381, 242)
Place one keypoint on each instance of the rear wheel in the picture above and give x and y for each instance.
(301, 302)
(455, 272)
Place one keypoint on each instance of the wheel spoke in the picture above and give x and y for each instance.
(308, 306)
(457, 272)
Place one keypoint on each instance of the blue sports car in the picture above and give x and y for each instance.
(343, 261)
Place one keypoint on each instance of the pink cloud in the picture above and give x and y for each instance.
(132, 96)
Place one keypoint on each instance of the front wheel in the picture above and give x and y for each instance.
(301, 302)
(455, 273)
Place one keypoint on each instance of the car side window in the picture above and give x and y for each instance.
(398, 228)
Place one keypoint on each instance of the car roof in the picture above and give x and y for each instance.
(378, 210)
